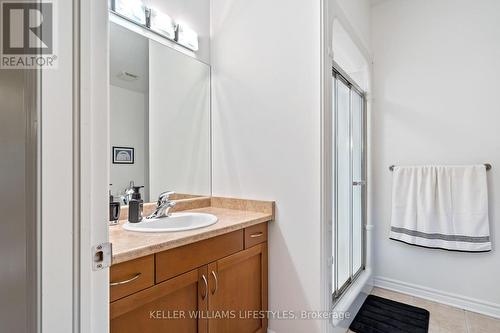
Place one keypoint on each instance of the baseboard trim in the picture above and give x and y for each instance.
(462, 302)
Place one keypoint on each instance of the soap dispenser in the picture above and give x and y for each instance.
(135, 205)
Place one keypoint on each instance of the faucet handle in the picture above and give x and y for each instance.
(164, 196)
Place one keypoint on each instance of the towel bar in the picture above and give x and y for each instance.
(486, 165)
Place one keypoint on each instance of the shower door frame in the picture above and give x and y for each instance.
(338, 291)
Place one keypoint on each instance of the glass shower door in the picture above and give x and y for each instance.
(348, 193)
(343, 176)
(358, 182)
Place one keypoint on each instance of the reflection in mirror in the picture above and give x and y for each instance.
(160, 118)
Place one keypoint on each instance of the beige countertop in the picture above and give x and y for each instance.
(232, 214)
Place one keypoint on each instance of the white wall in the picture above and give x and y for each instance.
(358, 14)
(193, 13)
(128, 129)
(437, 73)
(348, 56)
(266, 135)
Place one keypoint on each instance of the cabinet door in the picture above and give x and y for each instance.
(238, 288)
(171, 306)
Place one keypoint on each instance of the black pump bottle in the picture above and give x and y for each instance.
(135, 206)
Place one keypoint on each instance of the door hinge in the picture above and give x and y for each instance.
(101, 256)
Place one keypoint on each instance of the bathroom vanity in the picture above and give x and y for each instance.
(212, 279)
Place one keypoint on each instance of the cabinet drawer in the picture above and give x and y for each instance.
(131, 276)
(182, 259)
(255, 235)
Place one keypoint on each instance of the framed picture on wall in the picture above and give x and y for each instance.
(123, 155)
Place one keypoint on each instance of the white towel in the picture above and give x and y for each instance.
(441, 207)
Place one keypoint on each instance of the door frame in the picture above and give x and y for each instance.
(94, 159)
(74, 172)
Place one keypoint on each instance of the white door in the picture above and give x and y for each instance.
(74, 171)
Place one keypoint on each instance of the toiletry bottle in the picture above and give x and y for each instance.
(135, 206)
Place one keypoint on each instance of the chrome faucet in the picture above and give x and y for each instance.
(163, 206)
(127, 193)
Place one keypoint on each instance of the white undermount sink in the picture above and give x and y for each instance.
(175, 222)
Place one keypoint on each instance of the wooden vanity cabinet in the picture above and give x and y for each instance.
(238, 287)
(131, 276)
(164, 307)
(221, 295)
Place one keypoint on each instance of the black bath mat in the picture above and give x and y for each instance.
(381, 315)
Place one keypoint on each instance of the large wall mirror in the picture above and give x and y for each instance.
(160, 118)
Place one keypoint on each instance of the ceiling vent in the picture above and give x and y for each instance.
(127, 76)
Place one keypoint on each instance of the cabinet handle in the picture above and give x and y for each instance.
(112, 284)
(206, 287)
(216, 283)
(257, 234)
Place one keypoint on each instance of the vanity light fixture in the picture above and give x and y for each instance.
(161, 23)
(133, 10)
(187, 37)
(155, 21)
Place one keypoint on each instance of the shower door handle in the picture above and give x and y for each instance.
(360, 183)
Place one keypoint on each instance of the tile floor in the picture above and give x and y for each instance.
(444, 318)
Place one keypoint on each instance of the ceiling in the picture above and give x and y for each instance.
(128, 53)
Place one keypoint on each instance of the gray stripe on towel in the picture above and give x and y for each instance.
(450, 238)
